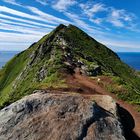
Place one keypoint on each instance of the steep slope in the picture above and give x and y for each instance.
(47, 63)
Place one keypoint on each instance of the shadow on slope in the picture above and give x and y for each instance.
(128, 124)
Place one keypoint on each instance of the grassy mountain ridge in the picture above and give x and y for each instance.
(63, 50)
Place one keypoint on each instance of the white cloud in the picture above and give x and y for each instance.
(17, 41)
(47, 16)
(121, 14)
(118, 43)
(62, 5)
(97, 20)
(25, 30)
(82, 24)
(25, 27)
(91, 9)
(120, 18)
(117, 17)
(116, 22)
(17, 23)
(43, 2)
(77, 21)
(111, 40)
(24, 15)
(16, 20)
(18, 37)
(12, 2)
(14, 46)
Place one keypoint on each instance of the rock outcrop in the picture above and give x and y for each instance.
(63, 116)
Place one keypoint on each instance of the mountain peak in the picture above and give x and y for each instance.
(64, 51)
(60, 27)
(66, 28)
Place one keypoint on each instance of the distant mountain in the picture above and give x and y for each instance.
(64, 51)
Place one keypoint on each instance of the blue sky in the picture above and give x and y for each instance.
(115, 23)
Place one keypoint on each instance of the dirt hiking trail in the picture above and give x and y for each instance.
(128, 109)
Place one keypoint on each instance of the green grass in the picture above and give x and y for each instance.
(82, 47)
(110, 64)
(28, 81)
(123, 90)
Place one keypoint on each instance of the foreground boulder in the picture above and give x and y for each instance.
(50, 116)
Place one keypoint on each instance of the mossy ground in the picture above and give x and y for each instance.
(123, 90)
(27, 83)
(126, 81)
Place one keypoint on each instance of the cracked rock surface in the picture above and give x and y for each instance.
(50, 116)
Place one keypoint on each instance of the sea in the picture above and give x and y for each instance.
(5, 56)
(130, 58)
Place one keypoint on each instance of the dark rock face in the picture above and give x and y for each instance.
(50, 116)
